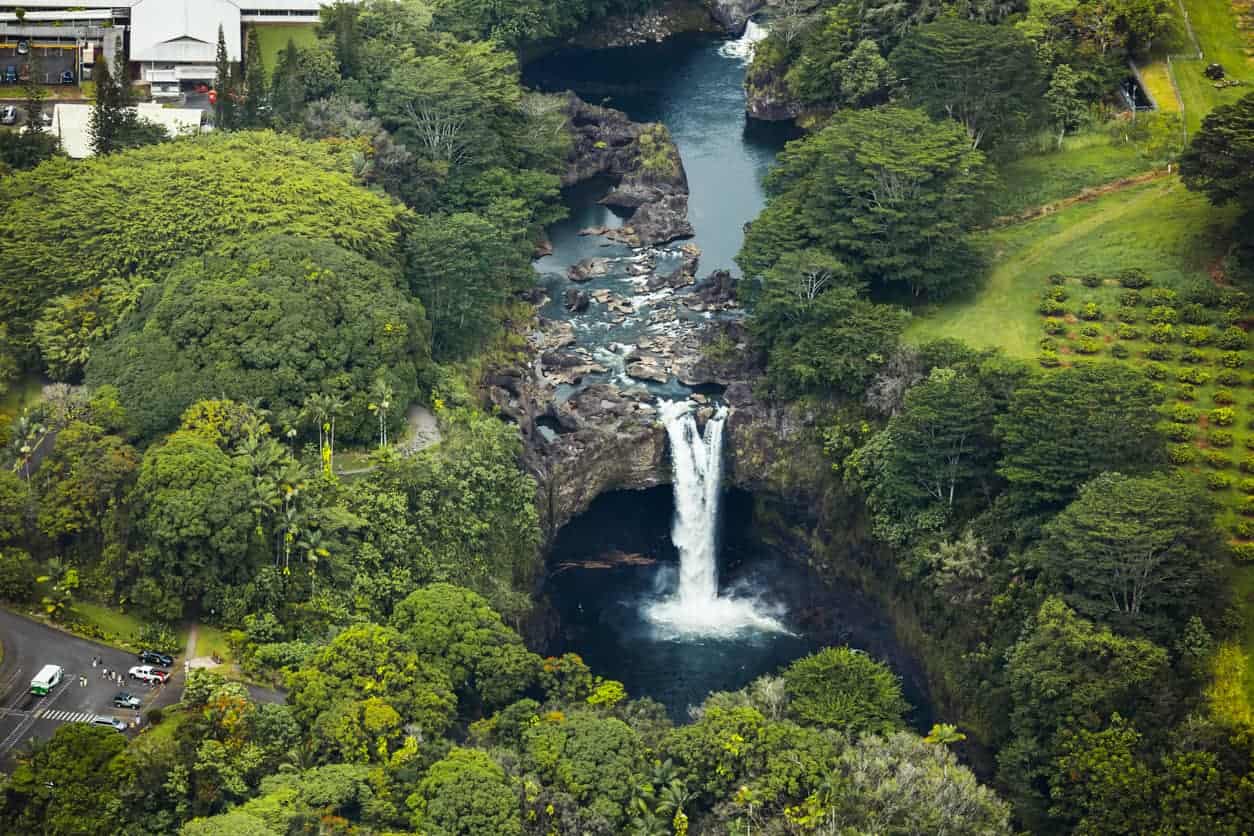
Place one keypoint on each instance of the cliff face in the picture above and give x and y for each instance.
(672, 17)
(766, 95)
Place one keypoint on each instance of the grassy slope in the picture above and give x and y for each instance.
(1171, 233)
(1086, 160)
(1222, 41)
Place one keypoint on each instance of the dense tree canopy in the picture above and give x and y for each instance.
(887, 193)
(166, 202)
(1220, 158)
(269, 321)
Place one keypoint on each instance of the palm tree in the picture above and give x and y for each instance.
(314, 544)
(380, 402)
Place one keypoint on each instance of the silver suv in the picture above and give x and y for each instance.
(112, 722)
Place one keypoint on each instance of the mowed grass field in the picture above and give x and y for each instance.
(1175, 235)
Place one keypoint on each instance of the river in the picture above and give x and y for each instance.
(693, 85)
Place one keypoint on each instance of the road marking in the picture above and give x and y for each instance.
(62, 716)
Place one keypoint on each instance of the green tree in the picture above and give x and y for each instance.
(108, 108)
(1066, 673)
(1136, 552)
(887, 192)
(81, 483)
(15, 502)
(268, 321)
(1063, 428)
(847, 690)
(62, 786)
(1063, 101)
(463, 269)
(466, 794)
(984, 77)
(256, 104)
(17, 575)
(224, 116)
(598, 760)
(287, 89)
(1219, 161)
(457, 629)
(191, 506)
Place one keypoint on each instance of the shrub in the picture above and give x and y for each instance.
(1052, 307)
(1088, 345)
(1192, 356)
(1127, 332)
(1129, 299)
(1054, 327)
(1161, 353)
(1162, 313)
(1058, 294)
(1183, 414)
(1228, 377)
(1161, 333)
(1194, 314)
(1232, 339)
(1243, 552)
(1223, 397)
(1244, 528)
(1224, 416)
(1161, 296)
(1181, 454)
(1231, 360)
(1119, 351)
(1194, 375)
(1218, 481)
(1091, 331)
(1155, 371)
(1178, 432)
(1197, 335)
(1057, 278)
(1048, 344)
(1126, 315)
(1091, 312)
(1091, 280)
(1186, 393)
(1247, 504)
(1247, 486)
(1133, 277)
(1220, 438)
(1049, 359)
(1218, 460)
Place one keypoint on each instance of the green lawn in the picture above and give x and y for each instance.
(122, 627)
(1172, 234)
(1222, 42)
(273, 38)
(1157, 79)
(1085, 160)
(211, 640)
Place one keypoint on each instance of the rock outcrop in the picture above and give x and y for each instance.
(733, 15)
(656, 25)
(766, 95)
(644, 165)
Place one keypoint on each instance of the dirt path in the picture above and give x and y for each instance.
(1084, 196)
(421, 431)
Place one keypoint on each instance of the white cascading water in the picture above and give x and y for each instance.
(696, 608)
(743, 46)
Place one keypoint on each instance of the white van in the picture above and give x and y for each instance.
(48, 678)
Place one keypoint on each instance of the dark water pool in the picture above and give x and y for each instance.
(600, 609)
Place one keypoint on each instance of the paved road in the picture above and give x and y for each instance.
(28, 646)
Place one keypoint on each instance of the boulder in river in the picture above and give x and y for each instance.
(588, 269)
(575, 300)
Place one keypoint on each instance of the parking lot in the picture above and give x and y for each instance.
(45, 64)
(28, 646)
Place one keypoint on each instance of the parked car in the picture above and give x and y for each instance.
(112, 722)
(8, 115)
(153, 657)
(67, 77)
(147, 673)
(10, 74)
(123, 699)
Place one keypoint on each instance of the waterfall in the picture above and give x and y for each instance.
(742, 48)
(697, 465)
(697, 473)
